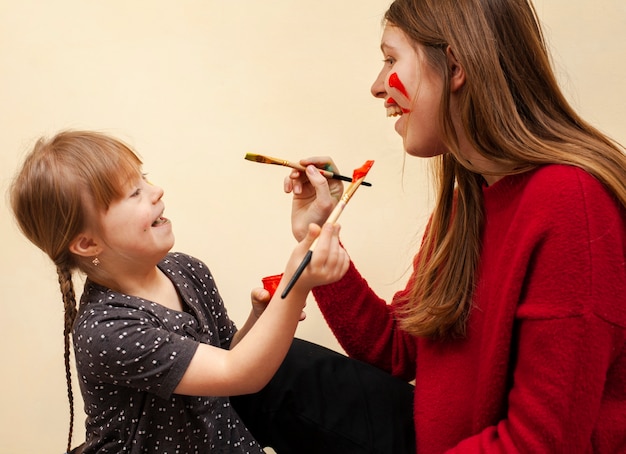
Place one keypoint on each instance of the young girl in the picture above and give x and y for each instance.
(513, 324)
(156, 353)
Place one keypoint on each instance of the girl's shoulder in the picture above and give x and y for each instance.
(180, 259)
(181, 263)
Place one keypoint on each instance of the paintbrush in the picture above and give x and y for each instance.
(282, 162)
(358, 176)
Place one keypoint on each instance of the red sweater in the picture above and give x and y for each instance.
(543, 367)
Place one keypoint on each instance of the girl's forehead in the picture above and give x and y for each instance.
(130, 177)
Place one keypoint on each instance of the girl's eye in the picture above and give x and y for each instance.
(136, 193)
(389, 61)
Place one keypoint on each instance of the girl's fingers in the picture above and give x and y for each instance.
(328, 251)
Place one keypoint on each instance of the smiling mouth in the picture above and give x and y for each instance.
(394, 111)
(160, 221)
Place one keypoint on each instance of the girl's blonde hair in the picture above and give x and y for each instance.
(49, 198)
(513, 113)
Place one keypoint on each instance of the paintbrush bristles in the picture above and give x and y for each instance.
(254, 157)
(268, 160)
(276, 161)
(361, 172)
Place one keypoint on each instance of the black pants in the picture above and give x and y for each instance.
(322, 402)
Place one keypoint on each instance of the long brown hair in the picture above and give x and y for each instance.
(513, 113)
(49, 198)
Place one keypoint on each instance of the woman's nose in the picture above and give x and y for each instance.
(378, 87)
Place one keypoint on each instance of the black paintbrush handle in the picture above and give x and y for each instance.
(336, 176)
(297, 274)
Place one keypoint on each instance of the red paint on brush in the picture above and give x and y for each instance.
(395, 82)
(362, 171)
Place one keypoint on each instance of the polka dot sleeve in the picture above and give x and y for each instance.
(129, 346)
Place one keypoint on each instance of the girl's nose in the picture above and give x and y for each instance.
(157, 193)
(378, 87)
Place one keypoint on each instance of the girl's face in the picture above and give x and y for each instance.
(412, 91)
(133, 228)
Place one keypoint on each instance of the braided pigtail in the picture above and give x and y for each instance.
(69, 302)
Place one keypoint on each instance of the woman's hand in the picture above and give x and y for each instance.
(314, 196)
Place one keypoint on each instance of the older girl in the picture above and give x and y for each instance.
(513, 324)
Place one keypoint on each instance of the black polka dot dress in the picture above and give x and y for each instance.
(132, 353)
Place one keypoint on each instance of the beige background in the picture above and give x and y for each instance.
(193, 86)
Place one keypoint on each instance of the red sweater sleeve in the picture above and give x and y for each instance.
(365, 325)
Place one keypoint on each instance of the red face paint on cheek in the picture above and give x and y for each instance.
(395, 82)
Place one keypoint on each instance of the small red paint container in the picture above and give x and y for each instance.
(270, 283)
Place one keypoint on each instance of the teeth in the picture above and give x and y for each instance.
(159, 221)
(394, 111)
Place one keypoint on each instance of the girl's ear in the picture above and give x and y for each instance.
(456, 71)
(84, 245)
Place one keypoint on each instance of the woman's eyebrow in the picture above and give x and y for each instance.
(385, 46)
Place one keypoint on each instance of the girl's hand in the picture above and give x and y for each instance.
(314, 196)
(329, 261)
(260, 299)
